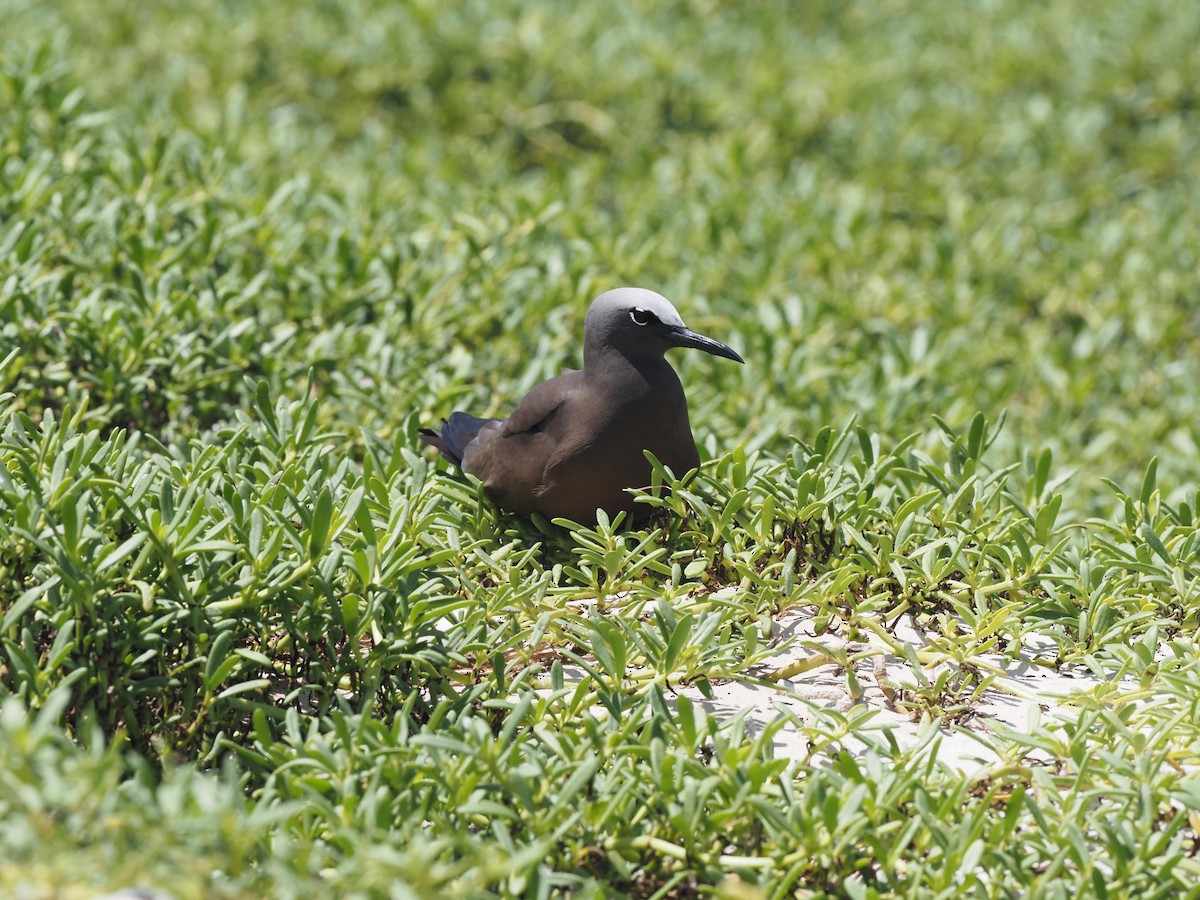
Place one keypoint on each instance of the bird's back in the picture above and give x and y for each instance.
(575, 443)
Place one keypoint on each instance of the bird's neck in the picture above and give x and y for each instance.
(611, 365)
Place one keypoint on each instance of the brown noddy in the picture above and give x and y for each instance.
(575, 443)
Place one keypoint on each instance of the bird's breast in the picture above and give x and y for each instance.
(609, 426)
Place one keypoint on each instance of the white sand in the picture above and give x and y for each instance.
(1022, 694)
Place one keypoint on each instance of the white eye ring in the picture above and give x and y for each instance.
(642, 317)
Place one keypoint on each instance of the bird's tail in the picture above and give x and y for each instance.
(457, 431)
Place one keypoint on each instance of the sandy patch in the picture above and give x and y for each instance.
(1021, 694)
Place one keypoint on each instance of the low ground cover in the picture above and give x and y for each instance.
(254, 641)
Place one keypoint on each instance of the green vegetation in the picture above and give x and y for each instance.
(255, 640)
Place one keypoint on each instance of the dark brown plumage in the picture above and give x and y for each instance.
(575, 443)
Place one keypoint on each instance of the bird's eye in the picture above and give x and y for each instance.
(643, 317)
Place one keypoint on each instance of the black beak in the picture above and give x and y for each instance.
(685, 337)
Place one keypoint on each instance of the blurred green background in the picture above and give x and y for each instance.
(892, 210)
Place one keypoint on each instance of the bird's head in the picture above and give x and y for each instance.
(641, 324)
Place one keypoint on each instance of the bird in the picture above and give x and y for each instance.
(575, 444)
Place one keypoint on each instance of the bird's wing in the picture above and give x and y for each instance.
(540, 404)
(510, 455)
(457, 433)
